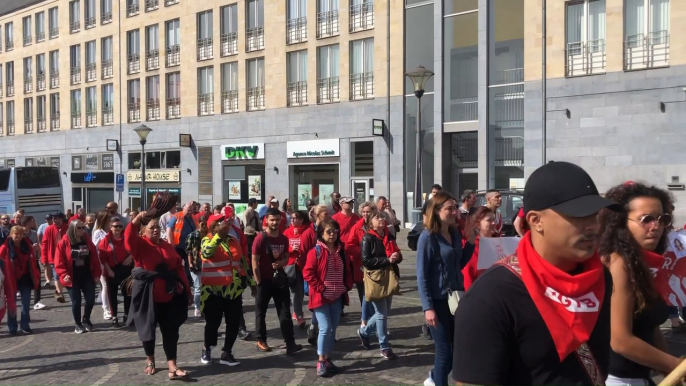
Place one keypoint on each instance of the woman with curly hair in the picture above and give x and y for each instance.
(629, 239)
(481, 224)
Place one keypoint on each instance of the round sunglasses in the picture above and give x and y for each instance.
(647, 220)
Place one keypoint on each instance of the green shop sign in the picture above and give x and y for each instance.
(246, 151)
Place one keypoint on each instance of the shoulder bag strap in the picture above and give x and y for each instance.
(269, 245)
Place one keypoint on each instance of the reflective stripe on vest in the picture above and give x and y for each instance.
(220, 270)
(219, 264)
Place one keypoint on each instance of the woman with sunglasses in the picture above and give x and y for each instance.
(630, 240)
(301, 239)
(78, 267)
(118, 264)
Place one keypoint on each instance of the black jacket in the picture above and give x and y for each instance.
(374, 253)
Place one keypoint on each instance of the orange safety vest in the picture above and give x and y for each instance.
(178, 227)
(219, 270)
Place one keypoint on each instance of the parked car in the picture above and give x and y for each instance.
(513, 199)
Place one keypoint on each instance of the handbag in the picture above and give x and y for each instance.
(380, 283)
(454, 300)
(280, 279)
(453, 296)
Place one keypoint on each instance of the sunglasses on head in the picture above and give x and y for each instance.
(664, 220)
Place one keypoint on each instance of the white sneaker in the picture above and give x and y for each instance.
(429, 382)
(107, 315)
(38, 306)
(197, 313)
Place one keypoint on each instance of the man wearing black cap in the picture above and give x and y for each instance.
(542, 315)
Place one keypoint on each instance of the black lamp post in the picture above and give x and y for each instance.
(419, 76)
(143, 132)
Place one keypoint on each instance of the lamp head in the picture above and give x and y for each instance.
(142, 132)
(419, 76)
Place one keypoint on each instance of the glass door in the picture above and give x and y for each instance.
(360, 191)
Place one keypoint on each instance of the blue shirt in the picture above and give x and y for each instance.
(188, 228)
(263, 211)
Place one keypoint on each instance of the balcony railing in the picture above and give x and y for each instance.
(296, 93)
(646, 51)
(464, 109)
(509, 76)
(40, 36)
(173, 108)
(133, 63)
(362, 86)
(151, 5)
(106, 17)
(91, 22)
(229, 44)
(91, 72)
(40, 124)
(132, 10)
(28, 40)
(205, 104)
(75, 26)
(255, 98)
(328, 90)
(173, 55)
(509, 151)
(54, 32)
(152, 60)
(10, 88)
(134, 112)
(54, 121)
(205, 49)
(9, 45)
(75, 75)
(229, 101)
(465, 151)
(296, 30)
(361, 17)
(28, 125)
(254, 39)
(509, 106)
(107, 69)
(54, 79)
(170, 2)
(10, 127)
(152, 109)
(76, 119)
(28, 84)
(91, 117)
(107, 116)
(327, 24)
(585, 58)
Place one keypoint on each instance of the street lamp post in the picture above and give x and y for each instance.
(143, 132)
(419, 76)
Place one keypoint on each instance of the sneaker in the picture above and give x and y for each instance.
(13, 333)
(323, 369)
(206, 356)
(197, 313)
(107, 315)
(38, 306)
(426, 332)
(27, 330)
(364, 340)
(388, 354)
(88, 325)
(243, 334)
(429, 381)
(79, 329)
(47, 284)
(228, 359)
(59, 297)
(293, 348)
(333, 368)
(263, 346)
(115, 322)
(312, 334)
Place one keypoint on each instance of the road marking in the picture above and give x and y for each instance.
(29, 339)
(297, 377)
(112, 370)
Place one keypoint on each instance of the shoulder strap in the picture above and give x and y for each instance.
(318, 251)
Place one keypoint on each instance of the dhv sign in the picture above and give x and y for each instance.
(245, 151)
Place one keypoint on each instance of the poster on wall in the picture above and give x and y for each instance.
(325, 191)
(92, 162)
(29, 162)
(255, 187)
(304, 194)
(76, 162)
(42, 161)
(234, 190)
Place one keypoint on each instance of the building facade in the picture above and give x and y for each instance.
(245, 98)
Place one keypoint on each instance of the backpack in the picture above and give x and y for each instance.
(413, 235)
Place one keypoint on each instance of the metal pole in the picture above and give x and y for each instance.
(418, 171)
(543, 90)
(144, 193)
(388, 94)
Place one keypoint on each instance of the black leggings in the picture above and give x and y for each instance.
(121, 272)
(165, 313)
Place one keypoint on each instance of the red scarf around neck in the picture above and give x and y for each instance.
(389, 245)
(569, 304)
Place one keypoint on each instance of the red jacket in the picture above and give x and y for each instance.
(9, 284)
(64, 264)
(76, 217)
(308, 239)
(51, 237)
(314, 273)
(353, 249)
(282, 225)
(470, 271)
(109, 257)
(14, 269)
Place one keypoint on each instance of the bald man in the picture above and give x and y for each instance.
(113, 208)
(493, 202)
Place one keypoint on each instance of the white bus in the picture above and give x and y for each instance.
(37, 190)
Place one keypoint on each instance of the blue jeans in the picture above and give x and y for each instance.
(443, 341)
(88, 289)
(328, 317)
(196, 289)
(25, 287)
(378, 322)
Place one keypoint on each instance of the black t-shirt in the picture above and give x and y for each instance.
(80, 255)
(501, 338)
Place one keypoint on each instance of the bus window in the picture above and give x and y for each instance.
(37, 178)
(5, 180)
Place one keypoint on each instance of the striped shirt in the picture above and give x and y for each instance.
(334, 286)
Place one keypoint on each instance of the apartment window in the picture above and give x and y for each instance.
(174, 95)
(296, 88)
(10, 117)
(9, 36)
(28, 115)
(361, 15)
(27, 30)
(585, 49)
(204, 22)
(54, 69)
(173, 37)
(107, 66)
(54, 112)
(132, 8)
(152, 49)
(91, 107)
(75, 109)
(156, 159)
(40, 27)
(105, 11)
(646, 44)
(75, 63)
(133, 58)
(206, 91)
(152, 103)
(229, 30)
(91, 19)
(91, 66)
(40, 72)
(362, 69)
(108, 104)
(1, 78)
(255, 90)
(9, 69)
(151, 5)
(170, 2)
(229, 87)
(41, 114)
(296, 22)
(134, 100)
(74, 16)
(28, 75)
(255, 31)
(327, 74)
(461, 64)
(327, 18)
(53, 23)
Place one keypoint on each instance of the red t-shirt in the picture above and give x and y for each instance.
(346, 224)
(259, 248)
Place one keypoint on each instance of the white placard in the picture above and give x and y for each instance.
(316, 148)
(492, 249)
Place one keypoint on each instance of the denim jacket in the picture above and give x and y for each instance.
(439, 266)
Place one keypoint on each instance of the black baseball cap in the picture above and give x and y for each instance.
(565, 188)
(48, 217)
(59, 215)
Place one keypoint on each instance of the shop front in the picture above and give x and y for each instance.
(243, 174)
(313, 170)
(155, 181)
(92, 180)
